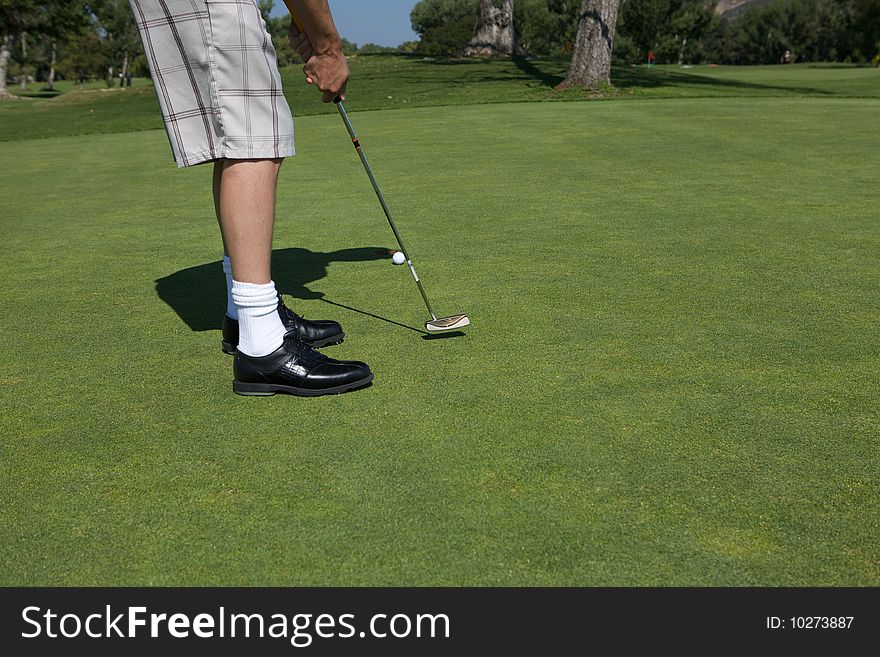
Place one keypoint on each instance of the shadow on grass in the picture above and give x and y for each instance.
(549, 72)
(198, 294)
(629, 78)
(442, 336)
(534, 71)
(545, 71)
(840, 65)
(37, 93)
(384, 319)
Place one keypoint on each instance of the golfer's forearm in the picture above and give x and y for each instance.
(317, 22)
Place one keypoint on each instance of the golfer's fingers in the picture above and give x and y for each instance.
(300, 42)
(330, 95)
(295, 37)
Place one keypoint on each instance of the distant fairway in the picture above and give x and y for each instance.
(406, 81)
(671, 377)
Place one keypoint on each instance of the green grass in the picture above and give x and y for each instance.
(671, 377)
(399, 81)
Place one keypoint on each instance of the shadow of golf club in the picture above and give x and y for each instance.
(425, 334)
(442, 336)
(384, 319)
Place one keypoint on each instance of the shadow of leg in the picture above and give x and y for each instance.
(198, 294)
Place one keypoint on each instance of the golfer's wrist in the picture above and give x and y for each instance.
(331, 47)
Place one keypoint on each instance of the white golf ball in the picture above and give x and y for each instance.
(398, 258)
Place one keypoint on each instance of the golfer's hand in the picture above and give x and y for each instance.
(300, 42)
(328, 72)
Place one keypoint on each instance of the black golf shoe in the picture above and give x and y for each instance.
(315, 333)
(295, 368)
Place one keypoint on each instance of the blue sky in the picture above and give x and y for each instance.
(385, 22)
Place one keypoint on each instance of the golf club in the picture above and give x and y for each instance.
(435, 323)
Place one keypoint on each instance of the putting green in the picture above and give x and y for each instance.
(671, 376)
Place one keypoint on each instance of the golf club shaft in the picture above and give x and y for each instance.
(369, 170)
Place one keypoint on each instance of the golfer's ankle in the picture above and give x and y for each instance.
(261, 330)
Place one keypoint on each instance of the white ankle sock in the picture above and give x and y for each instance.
(231, 310)
(260, 331)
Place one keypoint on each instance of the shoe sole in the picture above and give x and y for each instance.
(229, 348)
(269, 389)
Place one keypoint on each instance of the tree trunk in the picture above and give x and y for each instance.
(493, 33)
(5, 52)
(50, 81)
(591, 59)
(125, 74)
(24, 60)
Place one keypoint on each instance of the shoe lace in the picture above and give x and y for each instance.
(285, 312)
(305, 355)
(288, 317)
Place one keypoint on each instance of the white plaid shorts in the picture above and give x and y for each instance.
(216, 76)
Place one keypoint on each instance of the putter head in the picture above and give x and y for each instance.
(447, 323)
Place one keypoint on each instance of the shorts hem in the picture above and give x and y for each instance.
(237, 154)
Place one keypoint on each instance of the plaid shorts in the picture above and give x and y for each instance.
(216, 76)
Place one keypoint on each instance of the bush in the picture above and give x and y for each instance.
(374, 49)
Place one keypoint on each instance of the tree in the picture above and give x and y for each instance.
(688, 20)
(17, 18)
(119, 37)
(867, 38)
(278, 27)
(64, 19)
(83, 57)
(444, 26)
(546, 27)
(672, 29)
(265, 7)
(494, 32)
(375, 49)
(591, 60)
(48, 21)
(5, 54)
(810, 30)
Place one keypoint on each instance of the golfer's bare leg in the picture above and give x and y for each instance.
(245, 194)
(218, 172)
